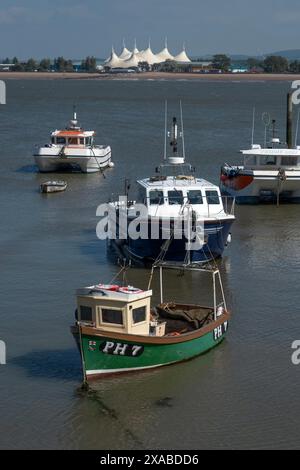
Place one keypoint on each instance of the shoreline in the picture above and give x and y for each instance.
(147, 76)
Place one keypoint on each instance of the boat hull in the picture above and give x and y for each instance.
(261, 186)
(52, 188)
(117, 353)
(216, 235)
(51, 162)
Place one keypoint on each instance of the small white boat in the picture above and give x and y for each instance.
(269, 173)
(73, 148)
(53, 186)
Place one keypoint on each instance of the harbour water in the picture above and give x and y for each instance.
(243, 394)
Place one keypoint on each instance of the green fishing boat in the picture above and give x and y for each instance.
(117, 330)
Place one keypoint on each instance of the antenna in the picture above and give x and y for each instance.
(253, 126)
(297, 128)
(182, 131)
(74, 112)
(266, 119)
(166, 117)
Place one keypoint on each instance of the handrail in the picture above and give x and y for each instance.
(227, 204)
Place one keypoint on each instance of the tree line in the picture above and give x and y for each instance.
(59, 64)
(222, 62)
(271, 64)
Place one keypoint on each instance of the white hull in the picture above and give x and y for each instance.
(51, 159)
(262, 186)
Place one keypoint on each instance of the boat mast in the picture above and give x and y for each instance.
(182, 131)
(174, 134)
(161, 284)
(253, 126)
(289, 121)
(166, 131)
(297, 129)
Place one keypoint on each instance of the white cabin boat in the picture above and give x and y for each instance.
(174, 200)
(73, 148)
(269, 173)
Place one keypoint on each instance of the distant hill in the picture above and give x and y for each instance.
(291, 54)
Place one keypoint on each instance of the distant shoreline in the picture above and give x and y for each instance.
(148, 76)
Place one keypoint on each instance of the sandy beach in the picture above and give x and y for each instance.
(147, 76)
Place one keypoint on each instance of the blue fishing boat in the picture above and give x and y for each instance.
(185, 217)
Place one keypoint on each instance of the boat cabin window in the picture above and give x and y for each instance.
(268, 160)
(81, 140)
(88, 141)
(156, 197)
(194, 197)
(109, 315)
(212, 197)
(139, 314)
(250, 160)
(289, 161)
(175, 197)
(142, 195)
(53, 140)
(86, 313)
(60, 140)
(73, 140)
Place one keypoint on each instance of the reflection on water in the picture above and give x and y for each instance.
(242, 394)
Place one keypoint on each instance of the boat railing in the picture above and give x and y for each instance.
(229, 204)
(226, 203)
(211, 270)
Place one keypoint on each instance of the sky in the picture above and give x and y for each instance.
(75, 29)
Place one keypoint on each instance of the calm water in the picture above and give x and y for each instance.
(244, 393)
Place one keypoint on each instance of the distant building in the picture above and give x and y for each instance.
(6, 67)
(129, 59)
(200, 66)
(239, 67)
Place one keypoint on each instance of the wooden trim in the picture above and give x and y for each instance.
(157, 339)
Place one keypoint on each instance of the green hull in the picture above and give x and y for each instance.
(107, 355)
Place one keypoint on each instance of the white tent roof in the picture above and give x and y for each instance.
(164, 55)
(148, 56)
(133, 61)
(113, 60)
(125, 54)
(182, 56)
(135, 49)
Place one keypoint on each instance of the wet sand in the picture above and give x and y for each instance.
(148, 76)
